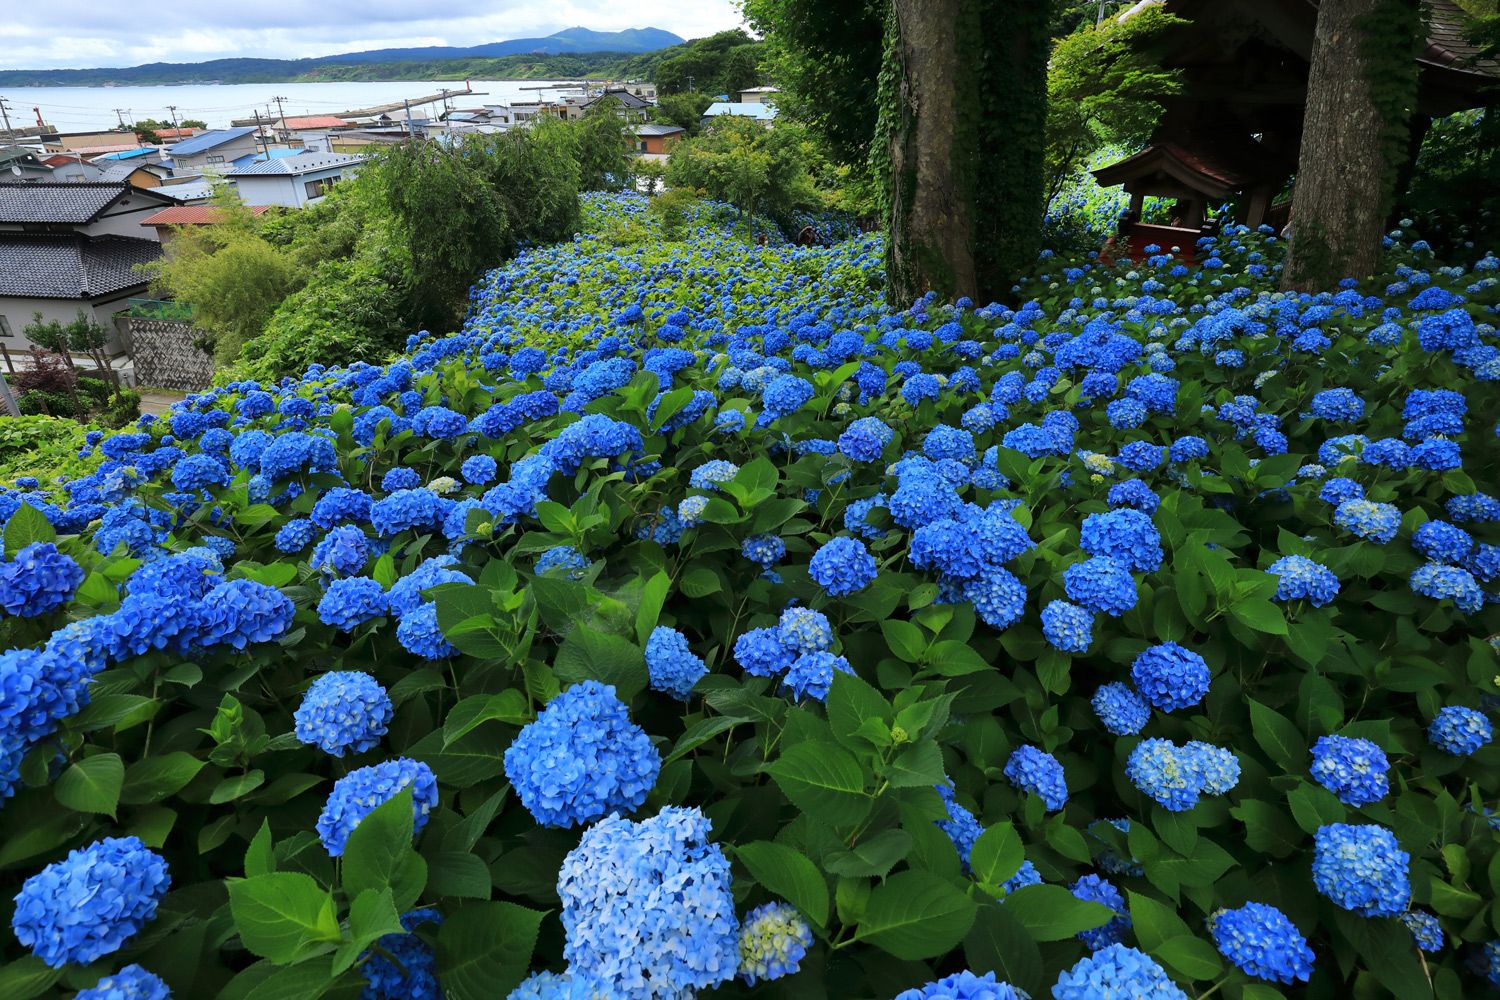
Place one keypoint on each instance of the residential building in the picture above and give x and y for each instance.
(215, 150)
(165, 222)
(631, 107)
(293, 181)
(79, 142)
(135, 174)
(763, 113)
(758, 95)
(657, 140)
(89, 209)
(71, 168)
(17, 163)
(71, 246)
(168, 136)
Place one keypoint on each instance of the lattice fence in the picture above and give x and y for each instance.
(165, 355)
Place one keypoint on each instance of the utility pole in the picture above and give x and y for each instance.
(120, 116)
(410, 130)
(690, 83)
(280, 109)
(260, 135)
(1100, 19)
(173, 108)
(5, 113)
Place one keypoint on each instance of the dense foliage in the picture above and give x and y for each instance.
(690, 622)
(725, 63)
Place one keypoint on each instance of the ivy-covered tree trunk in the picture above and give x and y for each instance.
(962, 108)
(1354, 136)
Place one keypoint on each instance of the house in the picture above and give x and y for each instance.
(71, 246)
(758, 95)
(214, 150)
(763, 113)
(631, 107)
(293, 181)
(188, 190)
(79, 142)
(137, 154)
(170, 135)
(72, 168)
(165, 222)
(657, 140)
(17, 163)
(309, 129)
(90, 209)
(132, 173)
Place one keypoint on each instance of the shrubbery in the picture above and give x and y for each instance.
(1135, 641)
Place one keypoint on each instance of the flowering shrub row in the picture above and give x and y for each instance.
(689, 623)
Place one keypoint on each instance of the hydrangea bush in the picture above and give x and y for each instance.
(689, 624)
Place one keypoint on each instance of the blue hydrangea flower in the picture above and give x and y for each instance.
(1219, 767)
(1362, 869)
(1300, 578)
(571, 985)
(1442, 542)
(963, 986)
(1116, 972)
(811, 674)
(998, 596)
(650, 898)
(710, 475)
(1024, 876)
(405, 966)
(1098, 890)
(1162, 771)
(582, 758)
(564, 560)
(420, 635)
(130, 983)
(478, 469)
(842, 566)
(1425, 930)
(1125, 535)
(343, 711)
(1100, 584)
(960, 826)
(1032, 769)
(1123, 712)
(773, 940)
(1067, 627)
(1377, 522)
(1354, 769)
(1454, 583)
(361, 792)
(1170, 676)
(760, 653)
(77, 910)
(672, 666)
(351, 602)
(1460, 731)
(1262, 942)
(38, 580)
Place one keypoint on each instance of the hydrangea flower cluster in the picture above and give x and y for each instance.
(89, 904)
(1300, 578)
(1032, 769)
(1362, 869)
(130, 983)
(1170, 676)
(843, 566)
(1354, 769)
(1099, 890)
(1116, 972)
(647, 906)
(773, 940)
(404, 967)
(343, 712)
(673, 667)
(1262, 942)
(361, 792)
(1176, 776)
(964, 986)
(1460, 731)
(582, 758)
(38, 580)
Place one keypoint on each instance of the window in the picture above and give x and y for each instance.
(319, 187)
(215, 158)
(5, 330)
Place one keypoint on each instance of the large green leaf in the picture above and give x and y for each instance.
(26, 526)
(1052, 913)
(379, 854)
(916, 915)
(789, 874)
(1279, 737)
(372, 916)
(998, 943)
(824, 781)
(93, 784)
(609, 659)
(997, 854)
(155, 778)
(484, 949)
(283, 916)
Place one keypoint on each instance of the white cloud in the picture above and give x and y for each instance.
(88, 33)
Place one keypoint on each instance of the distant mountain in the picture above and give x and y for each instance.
(569, 42)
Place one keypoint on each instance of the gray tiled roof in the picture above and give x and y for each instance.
(71, 266)
(58, 202)
(658, 129)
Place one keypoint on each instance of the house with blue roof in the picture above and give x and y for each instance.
(216, 150)
(761, 112)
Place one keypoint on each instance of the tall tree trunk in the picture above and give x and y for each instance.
(962, 105)
(1351, 141)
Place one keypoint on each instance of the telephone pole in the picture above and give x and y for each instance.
(5, 113)
(410, 130)
(260, 135)
(173, 108)
(281, 110)
(120, 116)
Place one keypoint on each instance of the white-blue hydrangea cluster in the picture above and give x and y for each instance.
(345, 711)
(1032, 769)
(773, 940)
(672, 666)
(1300, 578)
(582, 759)
(1362, 868)
(1116, 972)
(964, 985)
(647, 906)
(1176, 776)
(130, 983)
(1262, 942)
(1352, 768)
(1460, 731)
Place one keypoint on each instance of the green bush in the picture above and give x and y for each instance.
(43, 447)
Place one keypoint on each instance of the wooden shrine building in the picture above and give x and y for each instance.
(1233, 132)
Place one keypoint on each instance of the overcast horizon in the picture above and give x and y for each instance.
(86, 34)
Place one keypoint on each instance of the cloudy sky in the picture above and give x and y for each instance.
(83, 33)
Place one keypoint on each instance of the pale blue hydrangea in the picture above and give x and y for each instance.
(773, 940)
(1354, 769)
(343, 712)
(1460, 731)
(1123, 712)
(1067, 627)
(803, 630)
(1117, 972)
(359, 793)
(1033, 770)
(1362, 868)
(672, 666)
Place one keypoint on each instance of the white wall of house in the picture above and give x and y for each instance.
(290, 190)
(18, 313)
(124, 218)
(218, 158)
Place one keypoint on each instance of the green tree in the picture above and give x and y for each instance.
(602, 145)
(760, 171)
(683, 110)
(1105, 85)
(720, 63)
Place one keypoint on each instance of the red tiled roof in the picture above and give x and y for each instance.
(313, 121)
(175, 133)
(193, 215)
